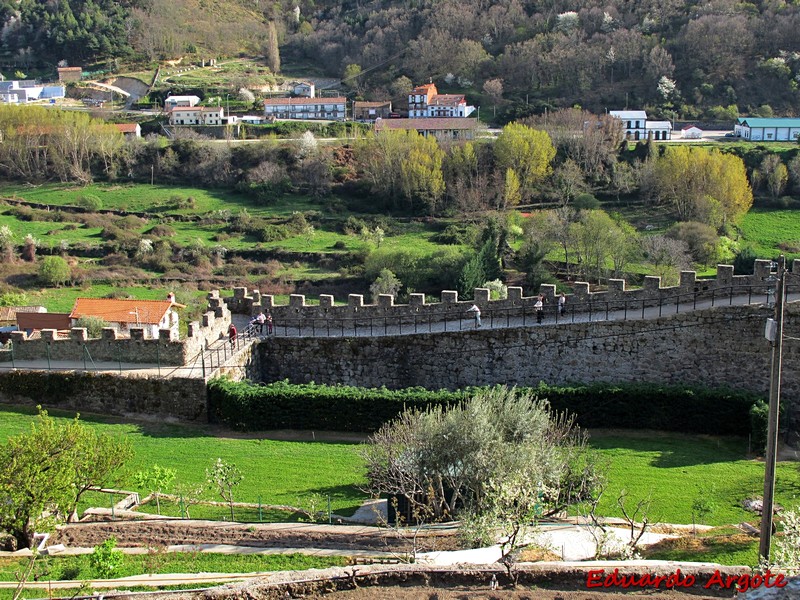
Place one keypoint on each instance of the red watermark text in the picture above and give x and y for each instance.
(599, 578)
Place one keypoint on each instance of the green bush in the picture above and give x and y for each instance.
(273, 233)
(54, 270)
(282, 405)
(89, 202)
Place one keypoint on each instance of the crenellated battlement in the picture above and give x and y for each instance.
(134, 348)
(616, 297)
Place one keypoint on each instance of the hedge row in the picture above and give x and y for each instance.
(252, 407)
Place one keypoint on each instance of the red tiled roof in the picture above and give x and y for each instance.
(126, 127)
(424, 88)
(689, 127)
(431, 124)
(145, 312)
(42, 321)
(69, 69)
(292, 101)
(360, 104)
(447, 100)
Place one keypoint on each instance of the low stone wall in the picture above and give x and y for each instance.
(617, 297)
(104, 393)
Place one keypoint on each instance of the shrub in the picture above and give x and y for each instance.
(273, 233)
(744, 261)
(106, 560)
(162, 231)
(282, 405)
(94, 325)
(90, 202)
(54, 270)
(586, 201)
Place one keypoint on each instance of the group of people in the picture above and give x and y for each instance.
(538, 305)
(260, 320)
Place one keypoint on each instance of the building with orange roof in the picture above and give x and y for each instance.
(425, 101)
(129, 130)
(123, 315)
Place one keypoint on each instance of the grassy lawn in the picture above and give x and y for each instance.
(767, 229)
(62, 299)
(674, 470)
(78, 568)
(292, 473)
(724, 545)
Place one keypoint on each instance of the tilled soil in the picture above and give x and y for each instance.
(264, 535)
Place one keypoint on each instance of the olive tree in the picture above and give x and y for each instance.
(498, 462)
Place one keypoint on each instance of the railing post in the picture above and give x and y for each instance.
(642, 308)
(13, 364)
(660, 305)
(677, 304)
(47, 347)
(203, 363)
(158, 357)
(713, 293)
(625, 310)
(694, 301)
(83, 347)
(607, 303)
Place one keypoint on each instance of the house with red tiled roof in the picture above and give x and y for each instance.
(369, 111)
(129, 130)
(124, 315)
(425, 101)
(443, 129)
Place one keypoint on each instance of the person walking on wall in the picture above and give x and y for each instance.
(539, 306)
(562, 304)
(476, 314)
(232, 335)
(260, 321)
(269, 324)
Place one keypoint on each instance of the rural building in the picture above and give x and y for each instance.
(333, 109)
(769, 130)
(691, 132)
(129, 130)
(634, 123)
(173, 101)
(69, 74)
(658, 130)
(443, 129)
(252, 119)
(637, 127)
(32, 322)
(197, 115)
(369, 111)
(24, 91)
(425, 101)
(8, 314)
(122, 315)
(305, 89)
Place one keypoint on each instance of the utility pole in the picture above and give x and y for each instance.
(774, 403)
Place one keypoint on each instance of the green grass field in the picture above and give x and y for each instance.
(78, 568)
(290, 473)
(772, 232)
(672, 469)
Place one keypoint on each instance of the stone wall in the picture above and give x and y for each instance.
(104, 393)
(616, 297)
(723, 346)
(112, 347)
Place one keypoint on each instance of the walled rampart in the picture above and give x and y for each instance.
(717, 347)
(616, 297)
(113, 347)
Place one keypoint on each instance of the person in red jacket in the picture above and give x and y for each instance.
(232, 335)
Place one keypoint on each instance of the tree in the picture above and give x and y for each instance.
(271, 52)
(29, 246)
(386, 283)
(54, 270)
(702, 185)
(350, 77)
(157, 478)
(47, 470)
(511, 189)
(469, 460)
(775, 174)
(106, 560)
(6, 244)
(224, 477)
(528, 151)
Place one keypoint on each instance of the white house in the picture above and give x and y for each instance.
(425, 101)
(634, 123)
(658, 130)
(173, 101)
(768, 130)
(334, 109)
(123, 315)
(305, 89)
(252, 119)
(691, 132)
(129, 130)
(197, 115)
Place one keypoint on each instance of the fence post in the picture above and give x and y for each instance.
(329, 509)
(13, 365)
(260, 516)
(83, 346)
(47, 347)
(184, 515)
